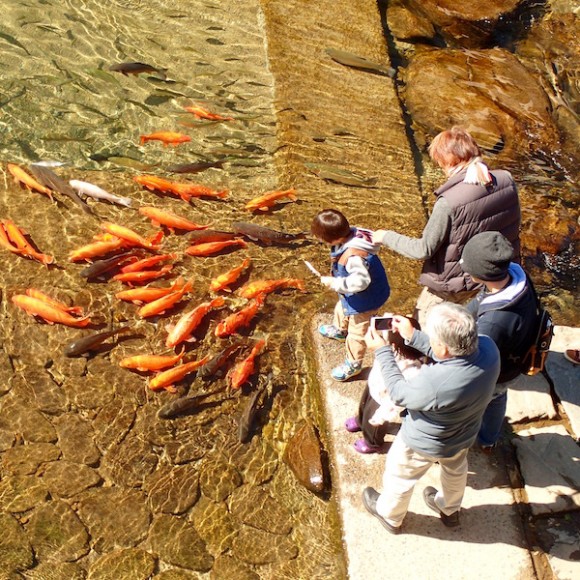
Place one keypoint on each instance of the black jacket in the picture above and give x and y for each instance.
(509, 317)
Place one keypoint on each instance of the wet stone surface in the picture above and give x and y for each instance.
(255, 507)
(218, 479)
(25, 459)
(113, 517)
(186, 549)
(215, 525)
(56, 533)
(129, 563)
(172, 490)
(67, 479)
(258, 547)
(15, 549)
(76, 439)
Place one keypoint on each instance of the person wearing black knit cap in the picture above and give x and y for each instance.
(506, 311)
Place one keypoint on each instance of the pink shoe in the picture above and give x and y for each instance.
(363, 447)
(352, 425)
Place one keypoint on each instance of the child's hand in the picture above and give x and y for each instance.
(326, 281)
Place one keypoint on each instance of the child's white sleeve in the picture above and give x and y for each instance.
(358, 278)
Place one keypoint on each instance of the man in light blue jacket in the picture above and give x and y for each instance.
(445, 404)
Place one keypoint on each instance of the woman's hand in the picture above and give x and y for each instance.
(378, 236)
(375, 338)
(403, 326)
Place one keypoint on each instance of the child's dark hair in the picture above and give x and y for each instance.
(330, 225)
(398, 342)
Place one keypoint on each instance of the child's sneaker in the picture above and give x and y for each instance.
(330, 331)
(346, 371)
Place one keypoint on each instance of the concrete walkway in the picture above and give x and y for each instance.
(520, 515)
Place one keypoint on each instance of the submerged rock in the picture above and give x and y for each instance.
(15, 550)
(130, 563)
(468, 24)
(489, 92)
(304, 457)
(57, 533)
(186, 548)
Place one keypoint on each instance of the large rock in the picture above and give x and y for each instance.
(75, 439)
(304, 457)
(489, 92)
(469, 24)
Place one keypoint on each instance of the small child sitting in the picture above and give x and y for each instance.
(359, 278)
(376, 408)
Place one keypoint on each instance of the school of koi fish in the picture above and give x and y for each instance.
(118, 254)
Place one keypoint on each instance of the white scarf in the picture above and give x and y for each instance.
(476, 173)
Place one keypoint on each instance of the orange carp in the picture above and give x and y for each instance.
(210, 248)
(188, 190)
(166, 379)
(243, 317)
(266, 201)
(97, 249)
(141, 265)
(141, 295)
(164, 303)
(223, 281)
(243, 370)
(13, 239)
(47, 312)
(27, 181)
(252, 289)
(53, 302)
(187, 324)
(201, 113)
(166, 137)
(143, 275)
(151, 362)
(171, 221)
(132, 238)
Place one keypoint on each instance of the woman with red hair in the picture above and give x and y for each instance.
(472, 200)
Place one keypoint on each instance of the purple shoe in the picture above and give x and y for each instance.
(363, 447)
(352, 425)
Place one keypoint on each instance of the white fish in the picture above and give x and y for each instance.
(85, 188)
(49, 163)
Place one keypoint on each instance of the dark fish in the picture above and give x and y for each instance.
(264, 234)
(209, 369)
(87, 343)
(195, 167)
(101, 267)
(135, 68)
(341, 175)
(184, 404)
(249, 414)
(50, 179)
(360, 62)
(204, 236)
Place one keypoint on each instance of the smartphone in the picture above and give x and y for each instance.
(382, 322)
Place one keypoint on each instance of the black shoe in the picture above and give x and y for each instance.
(429, 494)
(369, 498)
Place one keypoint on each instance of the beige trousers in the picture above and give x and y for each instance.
(405, 467)
(429, 298)
(355, 326)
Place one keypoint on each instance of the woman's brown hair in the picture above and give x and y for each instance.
(452, 147)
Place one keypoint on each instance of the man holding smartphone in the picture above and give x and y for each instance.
(445, 403)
